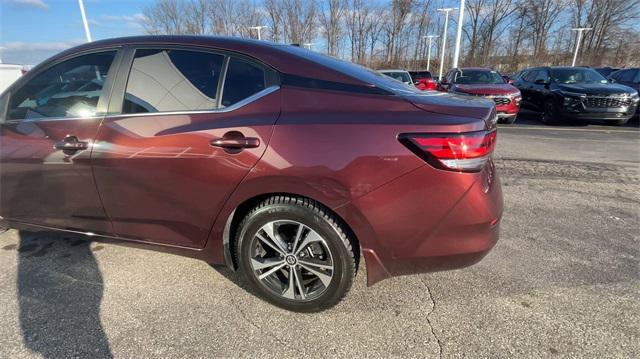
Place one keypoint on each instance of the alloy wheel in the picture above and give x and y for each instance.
(291, 260)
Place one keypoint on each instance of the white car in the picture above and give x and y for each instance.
(400, 75)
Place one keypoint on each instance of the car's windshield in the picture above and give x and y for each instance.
(473, 77)
(399, 75)
(576, 76)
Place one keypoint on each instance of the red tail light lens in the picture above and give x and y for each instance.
(467, 152)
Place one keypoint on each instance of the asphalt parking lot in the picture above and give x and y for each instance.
(563, 281)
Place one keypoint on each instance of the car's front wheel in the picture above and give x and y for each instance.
(550, 113)
(295, 254)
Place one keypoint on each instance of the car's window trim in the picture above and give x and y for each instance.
(103, 100)
(272, 78)
(256, 96)
(326, 85)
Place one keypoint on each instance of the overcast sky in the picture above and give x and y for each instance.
(33, 30)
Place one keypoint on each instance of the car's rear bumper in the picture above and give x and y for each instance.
(428, 220)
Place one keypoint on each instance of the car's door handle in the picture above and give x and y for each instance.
(70, 144)
(236, 143)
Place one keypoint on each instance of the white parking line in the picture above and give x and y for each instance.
(565, 129)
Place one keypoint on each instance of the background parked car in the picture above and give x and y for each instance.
(605, 71)
(400, 75)
(423, 80)
(488, 83)
(577, 93)
(629, 77)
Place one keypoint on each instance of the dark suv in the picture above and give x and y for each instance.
(577, 93)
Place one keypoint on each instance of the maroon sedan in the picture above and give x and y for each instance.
(285, 164)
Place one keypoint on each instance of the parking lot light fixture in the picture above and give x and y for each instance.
(580, 30)
(84, 21)
(430, 37)
(259, 29)
(456, 54)
(446, 12)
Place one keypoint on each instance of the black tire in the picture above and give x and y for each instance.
(620, 122)
(281, 213)
(550, 114)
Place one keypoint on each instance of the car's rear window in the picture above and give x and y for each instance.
(350, 69)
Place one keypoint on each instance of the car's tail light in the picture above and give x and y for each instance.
(467, 152)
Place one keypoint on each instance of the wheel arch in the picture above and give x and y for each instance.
(236, 216)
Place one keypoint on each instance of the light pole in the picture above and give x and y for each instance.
(430, 37)
(575, 54)
(444, 37)
(308, 45)
(456, 54)
(84, 21)
(259, 28)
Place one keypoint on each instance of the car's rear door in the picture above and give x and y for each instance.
(46, 138)
(185, 126)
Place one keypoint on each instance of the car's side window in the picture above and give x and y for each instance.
(70, 89)
(165, 80)
(626, 75)
(637, 79)
(542, 75)
(243, 79)
(531, 76)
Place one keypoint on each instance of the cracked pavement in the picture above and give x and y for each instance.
(563, 280)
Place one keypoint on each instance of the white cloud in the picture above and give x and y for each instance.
(32, 52)
(133, 21)
(39, 4)
(38, 46)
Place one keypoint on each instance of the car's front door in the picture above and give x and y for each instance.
(46, 137)
(525, 85)
(187, 127)
(540, 88)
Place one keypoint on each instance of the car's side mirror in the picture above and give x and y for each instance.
(510, 82)
(612, 80)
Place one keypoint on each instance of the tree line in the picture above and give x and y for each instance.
(503, 34)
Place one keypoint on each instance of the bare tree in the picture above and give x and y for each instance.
(400, 10)
(331, 17)
(506, 34)
(541, 15)
(165, 17)
(300, 25)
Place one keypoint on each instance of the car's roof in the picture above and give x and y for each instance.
(284, 58)
(392, 70)
(475, 69)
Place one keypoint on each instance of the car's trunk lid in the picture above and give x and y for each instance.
(447, 104)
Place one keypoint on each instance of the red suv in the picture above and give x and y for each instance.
(486, 83)
(287, 165)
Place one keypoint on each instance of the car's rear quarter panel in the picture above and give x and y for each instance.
(342, 150)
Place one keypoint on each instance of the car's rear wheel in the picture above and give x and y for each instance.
(295, 254)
